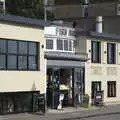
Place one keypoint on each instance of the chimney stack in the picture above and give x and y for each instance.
(99, 24)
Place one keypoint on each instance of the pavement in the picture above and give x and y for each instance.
(70, 110)
(67, 114)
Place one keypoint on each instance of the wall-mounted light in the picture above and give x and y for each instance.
(105, 52)
(89, 50)
(42, 46)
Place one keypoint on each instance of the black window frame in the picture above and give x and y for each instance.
(96, 52)
(111, 57)
(110, 85)
(17, 54)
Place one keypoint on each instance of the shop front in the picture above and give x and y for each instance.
(65, 82)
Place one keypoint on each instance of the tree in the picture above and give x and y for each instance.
(27, 8)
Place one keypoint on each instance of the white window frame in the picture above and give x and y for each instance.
(55, 45)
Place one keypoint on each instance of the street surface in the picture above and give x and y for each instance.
(104, 113)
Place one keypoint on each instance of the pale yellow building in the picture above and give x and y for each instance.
(102, 70)
(22, 64)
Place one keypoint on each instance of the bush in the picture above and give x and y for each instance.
(86, 101)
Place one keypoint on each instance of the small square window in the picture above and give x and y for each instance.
(49, 44)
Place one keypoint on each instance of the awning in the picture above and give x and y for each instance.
(63, 63)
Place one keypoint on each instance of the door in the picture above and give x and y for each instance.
(96, 86)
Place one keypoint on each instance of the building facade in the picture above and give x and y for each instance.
(65, 68)
(102, 68)
(22, 64)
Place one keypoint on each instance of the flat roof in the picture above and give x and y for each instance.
(24, 20)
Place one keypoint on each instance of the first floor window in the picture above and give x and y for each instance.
(96, 54)
(18, 55)
(59, 44)
(64, 44)
(111, 87)
(111, 50)
(49, 44)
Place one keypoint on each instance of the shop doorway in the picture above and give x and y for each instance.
(96, 86)
(59, 81)
(65, 81)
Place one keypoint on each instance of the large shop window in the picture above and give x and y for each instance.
(18, 55)
(96, 52)
(111, 87)
(111, 53)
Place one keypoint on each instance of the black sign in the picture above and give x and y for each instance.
(98, 100)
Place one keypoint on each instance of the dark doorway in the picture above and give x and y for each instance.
(96, 86)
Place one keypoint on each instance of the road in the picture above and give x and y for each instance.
(105, 113)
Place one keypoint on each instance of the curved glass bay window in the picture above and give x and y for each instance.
(62, 45)
(18, 55)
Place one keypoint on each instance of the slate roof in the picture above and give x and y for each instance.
(96, 34)
(105, 35)
(24, 20)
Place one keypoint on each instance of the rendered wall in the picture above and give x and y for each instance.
(102, 72)
(12, 81)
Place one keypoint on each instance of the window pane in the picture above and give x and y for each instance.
(32, 48)
(66, 45)
(22, 62)
(59, 44)
(49, 44)
(22, 47)
(70, 45)
(71, 33)
(2, 62)
(111, 53)
(32, 63)
(112, 89)
(96, 54)
(12, 46)
(12, 62)
(3, 46)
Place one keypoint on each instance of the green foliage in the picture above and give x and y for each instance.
(27, 8)
(86, 101)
